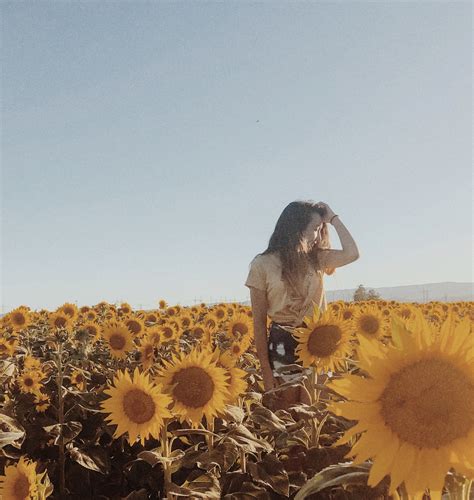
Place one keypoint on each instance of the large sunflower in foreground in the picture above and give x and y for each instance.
(325, 342)
(118, 338)
(197, 385)
(21, 482)
(415, 408)
(136, 406)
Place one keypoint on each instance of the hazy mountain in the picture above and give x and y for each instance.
(447, 291)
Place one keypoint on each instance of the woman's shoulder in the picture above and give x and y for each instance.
(267, 259)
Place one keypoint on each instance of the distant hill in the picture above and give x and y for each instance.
(448, 291)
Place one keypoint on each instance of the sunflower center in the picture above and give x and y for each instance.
(239, 328)
(167, 332)
(236, 348)
(198, 332)
(323, 340)
(138, 406)
(405, 313)
(28, 381)
(429, 403)
(60, 322)
(369, 324)
(117, 341)
(19, 319)
(134, 326)
(148, 351)
(194, 387)
(21, 487)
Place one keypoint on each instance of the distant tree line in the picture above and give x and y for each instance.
(363, 294)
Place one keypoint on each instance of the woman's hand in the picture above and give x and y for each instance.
(328, 213)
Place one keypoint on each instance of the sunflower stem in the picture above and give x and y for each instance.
(466, 490)
(59, 385)
(210, 437)
(243, 460)
(166, 454)
(314, 399)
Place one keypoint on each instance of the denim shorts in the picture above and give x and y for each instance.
(281, 349)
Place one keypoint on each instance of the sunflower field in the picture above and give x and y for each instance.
(107, 402)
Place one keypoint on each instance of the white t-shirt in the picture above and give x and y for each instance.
(283, 306)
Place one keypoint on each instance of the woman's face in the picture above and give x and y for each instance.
(311, 233)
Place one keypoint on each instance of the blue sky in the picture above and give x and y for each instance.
(149, 148)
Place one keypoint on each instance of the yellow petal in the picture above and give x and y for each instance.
(383, 461)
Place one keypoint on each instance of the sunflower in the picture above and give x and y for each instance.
(60, 320)
(238, 327)
(415, 408)
(406, 311)
(185, 321)
(8, 346)
(153, 335)
(147, 354)
(136, 406)
(90, 315)
(125, 308)
(21, 482)
(93, 331)
(29, 381)
(325, 341)
(369, 322)
(346, 312)
(236, 376)
(31, 363)
(118, 338)
(202, 334)
(136, 326)
(211, 321)
(197, 385)
(70, 310)
(220, 312)
(168, 333)
(19, 318)
(42, 402)
(172, 311)
(162, 304)
(151, 317)
(237, 349)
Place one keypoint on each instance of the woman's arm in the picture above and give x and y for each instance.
(329, 258)
(348, 244)
(258, 299)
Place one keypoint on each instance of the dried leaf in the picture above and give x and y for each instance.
(271, 473)
(251, 443)
(94, 458)
(12, 433)
(69, 430)
(335, 475)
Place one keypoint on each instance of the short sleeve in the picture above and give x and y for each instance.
(257, 276)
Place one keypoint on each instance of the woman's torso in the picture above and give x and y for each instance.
(285, 306)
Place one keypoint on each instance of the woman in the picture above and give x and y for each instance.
(286, 281)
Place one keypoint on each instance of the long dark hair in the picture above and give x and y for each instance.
(287, 240)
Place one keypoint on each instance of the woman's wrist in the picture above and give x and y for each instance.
(333, 217)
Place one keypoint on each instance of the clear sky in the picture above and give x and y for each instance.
(148, 148)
